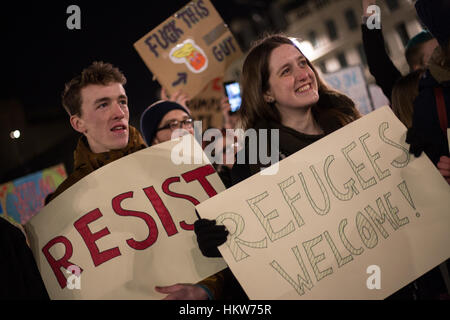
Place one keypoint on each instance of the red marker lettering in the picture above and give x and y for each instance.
(151, 224)
(90, 238)
(63, 262)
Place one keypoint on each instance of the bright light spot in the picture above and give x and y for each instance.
(15, 134)
(305, 47)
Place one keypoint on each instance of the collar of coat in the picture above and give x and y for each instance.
(84, 157)
(290, 141)
(437, 66)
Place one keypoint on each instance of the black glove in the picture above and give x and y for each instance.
(210, 236)
(416, 141)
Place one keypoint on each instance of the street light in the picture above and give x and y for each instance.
(15, 134)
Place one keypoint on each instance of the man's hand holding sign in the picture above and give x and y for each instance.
(140, 224)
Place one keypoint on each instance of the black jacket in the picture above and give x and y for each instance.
(425, 119)
(19, 276)
(379, 62)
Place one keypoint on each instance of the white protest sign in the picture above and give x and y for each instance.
(352, 216)
(126, 227)
(351, 82)
(448, 138)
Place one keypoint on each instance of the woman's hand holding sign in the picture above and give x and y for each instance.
(444, 167)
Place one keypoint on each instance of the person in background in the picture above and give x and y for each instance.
(429, 131)
(431, 117)
(230, 119)
(404, 93)
(19, 275)
(417, 53)
(224, 149)
(160, 120)
(178, 96)
(159, 123)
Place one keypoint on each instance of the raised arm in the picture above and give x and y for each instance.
(379, 62)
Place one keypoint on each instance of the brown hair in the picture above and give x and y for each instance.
(404, 93)
(442, 55)
(332, 111)
(99, 73)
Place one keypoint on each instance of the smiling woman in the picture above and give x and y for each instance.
(282, 91)
(281, 86)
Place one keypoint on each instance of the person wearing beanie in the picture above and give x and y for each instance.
(435, 14)
(159, 123)
(161, 120)
(418, 50)
(417, 53)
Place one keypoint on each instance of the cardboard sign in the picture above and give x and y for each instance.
(189, 49)
(22, 198)
(352, 82)
(206, 106)
(352, 216)
(126, 228)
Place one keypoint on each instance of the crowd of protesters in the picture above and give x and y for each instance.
(282, 90)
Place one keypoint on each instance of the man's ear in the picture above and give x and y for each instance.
(77, 123)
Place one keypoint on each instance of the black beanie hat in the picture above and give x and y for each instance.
(435, 14)
(152, 116)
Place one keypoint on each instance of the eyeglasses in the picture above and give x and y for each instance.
(175, 124)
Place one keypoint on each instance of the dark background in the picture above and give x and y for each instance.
(40, 54)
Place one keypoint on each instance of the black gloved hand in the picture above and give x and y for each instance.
(416, 141)
(210, 236)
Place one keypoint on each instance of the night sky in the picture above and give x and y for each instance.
(40, 54)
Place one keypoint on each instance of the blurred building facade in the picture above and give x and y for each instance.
(331, 30)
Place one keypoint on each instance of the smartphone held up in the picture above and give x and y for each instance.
(233, 92)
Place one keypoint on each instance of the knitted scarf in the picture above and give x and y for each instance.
(84, 157)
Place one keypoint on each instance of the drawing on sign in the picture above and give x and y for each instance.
(189, 53)
(182, 77)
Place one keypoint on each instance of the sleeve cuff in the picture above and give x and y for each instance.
(208, 292)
